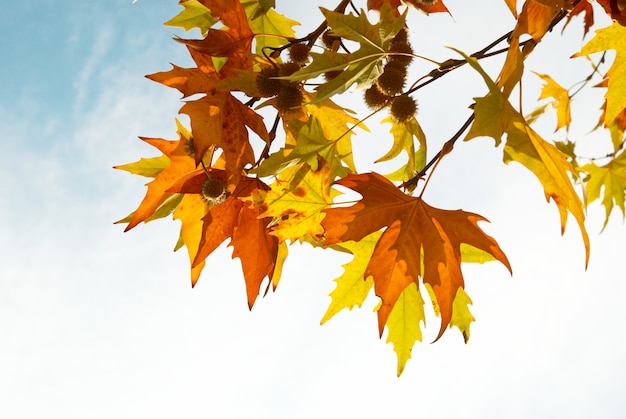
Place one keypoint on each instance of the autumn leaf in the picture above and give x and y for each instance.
(495, 117)
(403, 324)
(311, 145)
(461, 316)
(410, 225)
(181, 163)
(233, 40)
(535, 20)
(616, 9)
(611, 37)
(608, 181)
(218, 119)
(561, 100)
(190, 212)
(232, 218)
(352, 286)
(297, 204)
(148, 167)
(404, 136)
(361, 67)
(436, 7)
(271, 28)
(194, 15)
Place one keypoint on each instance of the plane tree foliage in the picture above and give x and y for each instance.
(264, 157)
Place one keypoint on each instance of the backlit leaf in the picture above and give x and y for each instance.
(403, 324)
(612, 37)
(411, 225)
(494, 117)
(352, 286)
(608, 182)
(194, 15)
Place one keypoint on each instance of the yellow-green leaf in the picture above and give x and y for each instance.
(296, 204)
(608, 181)
(461, 316)
(404, 136)
(495, 116)
(352, 286)
(148, 167)
(612, 37)
(403, 324)
(561, 100)
(194, 15)
(271, 28)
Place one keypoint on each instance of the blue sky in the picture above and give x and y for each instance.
(98, 323)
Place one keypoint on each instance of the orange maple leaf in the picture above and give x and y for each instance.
(412, 228)
(234, 40)
(218, 119)
(233, 218)
(181, 163)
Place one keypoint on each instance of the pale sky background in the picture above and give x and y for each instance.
(97, 323)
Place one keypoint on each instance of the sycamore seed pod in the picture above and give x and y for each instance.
(403, 108)
(213, 191)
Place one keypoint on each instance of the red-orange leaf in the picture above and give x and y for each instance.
(412, 227)
(181, 163)
(233, 218)
(233, 41)
(616, 9)
(218, 119)
(189, 81)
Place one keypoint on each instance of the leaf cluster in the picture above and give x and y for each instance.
(267, 149)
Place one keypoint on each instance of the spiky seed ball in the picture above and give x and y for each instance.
(403, 107)
(299, 53)
(374, 98)
(401, 36)
(266, 84)
(287, 69)
(290, 97)
(331, 41)
(213, 191)
(398, 49)
(392, 80)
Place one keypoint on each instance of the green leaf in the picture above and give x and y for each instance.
(148, 167)
(313, 143)
(608, 181)
(194, 15)
(271, 28)
(364, 66)
(352, 286)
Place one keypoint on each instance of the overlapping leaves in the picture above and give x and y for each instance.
(402, 247)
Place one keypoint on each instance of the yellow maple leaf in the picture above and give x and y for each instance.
(495, 116)
(353, 287)
(611, 37)
(403, 324)
(297, 204)
(561, 100)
